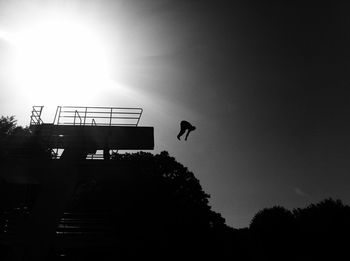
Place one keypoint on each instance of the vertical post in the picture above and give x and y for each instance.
(54, 119)
(75, 113)
(137, 123)
(85, 115)
(110, 117)
(59, 115)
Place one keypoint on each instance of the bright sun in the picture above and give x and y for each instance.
(58, 61)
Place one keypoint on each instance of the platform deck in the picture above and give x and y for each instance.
(95, 137)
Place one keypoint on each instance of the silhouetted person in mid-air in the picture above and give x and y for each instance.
(185, 125)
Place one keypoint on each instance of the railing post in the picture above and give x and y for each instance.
(54, 119)
(59, 116)
(137, 123)
(85, 115)
(110, 117)
(75, 113)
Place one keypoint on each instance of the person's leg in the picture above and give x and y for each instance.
(182, 131)
(188, 132)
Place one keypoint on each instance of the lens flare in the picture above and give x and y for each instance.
(59, 61)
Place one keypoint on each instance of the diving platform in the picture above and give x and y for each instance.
(92, 128)
(75, 134)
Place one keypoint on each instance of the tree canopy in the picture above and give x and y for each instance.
(315, 232)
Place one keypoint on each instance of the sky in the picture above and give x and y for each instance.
(266, 85)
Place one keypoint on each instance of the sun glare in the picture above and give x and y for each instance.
(59, 61)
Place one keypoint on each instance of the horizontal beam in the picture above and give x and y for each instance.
(95, 137)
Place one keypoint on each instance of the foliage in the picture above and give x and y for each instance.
(272, 220)
(272, 230)
(7, 125)
(158, 199)
(324, 225)
(18, 141)
(315, 232)
(176, 184)
(325, 214)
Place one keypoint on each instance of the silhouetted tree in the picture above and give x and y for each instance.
(160, 208)
(271, 219)
(154, 206)
(316, 232)
(7, 127)
(18, 142)
(272, 230)
(322, 228)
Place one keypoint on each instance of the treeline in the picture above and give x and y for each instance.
(17, 141)
(317, 232)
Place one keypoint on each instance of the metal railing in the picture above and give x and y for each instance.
(88, 116)
(84, 224)
(70, 224)
(97, 116)
(35, 118)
